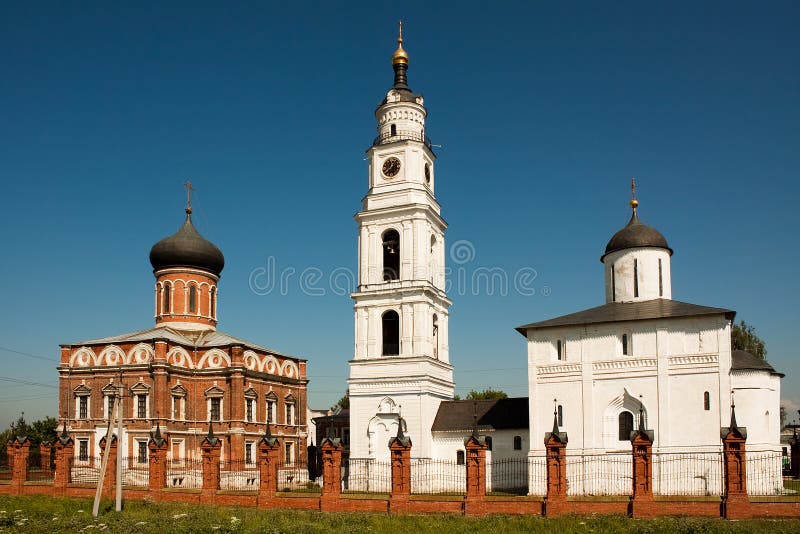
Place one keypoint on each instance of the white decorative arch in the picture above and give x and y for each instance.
(83, 357)
(180, 357)
(214, 359)
(252, 361)
(387, 405)
(271, 365)
(112, 355)
(141, 354)
(622, 403)
(289, 369)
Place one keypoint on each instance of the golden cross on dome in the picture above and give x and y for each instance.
(400, 36)
(634, 202)
(189, 189)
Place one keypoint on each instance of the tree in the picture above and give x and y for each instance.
(743, 337)
(36, 432)
(486, 394)
(344, 402)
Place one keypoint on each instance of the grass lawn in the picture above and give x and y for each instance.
(45, 515)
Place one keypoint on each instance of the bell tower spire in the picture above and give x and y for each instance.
(401, 355)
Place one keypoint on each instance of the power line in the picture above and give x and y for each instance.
(29, 355)
(27, 382)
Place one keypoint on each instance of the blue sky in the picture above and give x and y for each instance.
(543, 113)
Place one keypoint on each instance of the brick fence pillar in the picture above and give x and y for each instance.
(331, 473)
(641, 503)
(212, 450)
(21, 449)
(735, 502)
(476, 474)
(268, 458)
(794, 454)
(157, 479)
(44, 455)
(400, 456)
(64, 453)
(555, 444)
(110, 476)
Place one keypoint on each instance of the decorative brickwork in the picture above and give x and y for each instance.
(158, 446)
(65, 448)
(268, 454)
(736, 504)
(555, 444)
(331, 473)
(642, 454)
(400, 454)
(20, 449)
(212, 451)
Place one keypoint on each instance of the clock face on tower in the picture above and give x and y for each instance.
(391, 167)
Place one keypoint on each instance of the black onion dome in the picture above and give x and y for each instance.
(187, 248)
(636, 235)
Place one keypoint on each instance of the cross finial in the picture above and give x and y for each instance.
(189, 189)
(400, 33)
(634, 202)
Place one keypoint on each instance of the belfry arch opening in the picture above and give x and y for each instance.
(390, 322)
(435, 336)
(391, 255)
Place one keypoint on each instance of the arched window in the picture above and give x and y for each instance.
(435, 336)
(391, 255)
(488, 443)
(391, 333)
(393, 130)
(625, 426)
(560, 415)
(213, 306)
(660, 279)
(625, 345)
(706, 401)
(460, 457)
(560, 349)
(635, 277)
(517, 443)
(192, 299)
(167, 290)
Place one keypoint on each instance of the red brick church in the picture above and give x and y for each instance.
(183, 375)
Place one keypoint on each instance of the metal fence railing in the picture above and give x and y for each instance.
(185, 473)
(765, 477)
(135, 472)
(364, 475)
(508, 476)
(85, 470)
(41, 469)
(5, 468)
(238, 475)
(438, 477)
(694, 473)
(599, 474)
(296, 477)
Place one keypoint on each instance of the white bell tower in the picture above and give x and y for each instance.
(401, 364)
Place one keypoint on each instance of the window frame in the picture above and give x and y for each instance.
(624, 434)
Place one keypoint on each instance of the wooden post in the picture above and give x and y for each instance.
(268, 458)
(555, 443)
(331, 473)
(64, 454)
(476, 474)
(735, 502)
(212, 450)
(157, 479)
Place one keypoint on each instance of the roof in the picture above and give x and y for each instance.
(494, 414)
(629, 311)
(741, 360)
(206, 339)
(187, 248)
(636, 235)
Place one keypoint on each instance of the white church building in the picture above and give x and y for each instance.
(643, 352)
(640, 351)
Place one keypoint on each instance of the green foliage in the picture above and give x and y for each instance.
(55, 515)
(344, 402)
(37, 432)
(743, 337)
(486, 394)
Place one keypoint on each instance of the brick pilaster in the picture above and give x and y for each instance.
(21, 449)
(331, 473)
(555, 444)
(735, 502)
(65, 448)
(157, 447)
(400, 454)
(476, 473)
(642, 504)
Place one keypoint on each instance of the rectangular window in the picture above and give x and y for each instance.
(83, 407)
(249, 410)
(289, 413)
(289, 453)
(271, 411)
(560, 415)
(613, 285)
(216, 404)
(660, 279)
(248, 453)
(176, 408)
(141, 406)
(142, 456)
(109, 407)
(460, 458)
(83, 450)
(635, 278)
(517, 443)
(625, 345)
